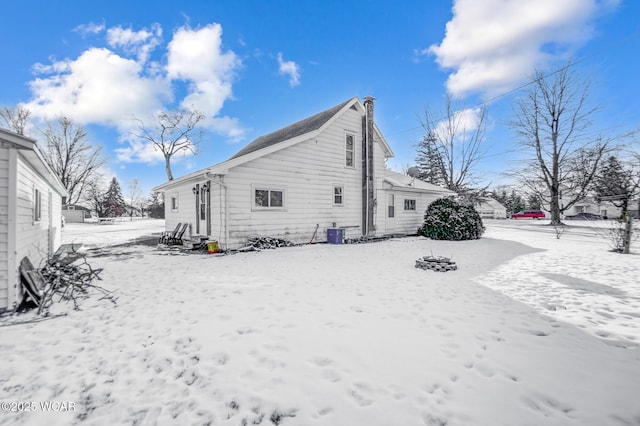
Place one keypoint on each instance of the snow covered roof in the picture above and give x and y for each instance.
(399, 180)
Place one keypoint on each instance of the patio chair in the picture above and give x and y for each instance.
(177, 239)
(166, 234)
(32, 283)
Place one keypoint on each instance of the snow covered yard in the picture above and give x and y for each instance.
(530, 330)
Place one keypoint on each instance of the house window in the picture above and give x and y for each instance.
(268, 198)
(349, 150)
(37, 205)
(174, 202)
(409, 204)
(203, 203)
(391, 212)
(338, 195)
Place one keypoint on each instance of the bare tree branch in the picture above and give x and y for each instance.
(70, 156)
(174, 131)
(15, 118)
(452, 146)
(552, 120)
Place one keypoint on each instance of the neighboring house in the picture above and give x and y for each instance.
(488, 207)
(326, 171)
(74, 213)
(30, 211)
(589, 204)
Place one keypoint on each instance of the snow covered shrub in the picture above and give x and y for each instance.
(446, 219)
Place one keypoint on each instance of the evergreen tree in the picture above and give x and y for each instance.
(514, 202)
(615, 180)
(429, 162)
(533, 202)
(114, 205)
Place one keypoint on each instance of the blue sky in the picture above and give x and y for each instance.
(255, 66)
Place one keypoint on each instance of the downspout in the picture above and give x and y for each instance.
(208, 175)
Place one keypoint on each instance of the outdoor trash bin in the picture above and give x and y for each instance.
(335, 235)
(212, 247)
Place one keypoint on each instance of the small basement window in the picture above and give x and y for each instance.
(268, 198)
(409, 204)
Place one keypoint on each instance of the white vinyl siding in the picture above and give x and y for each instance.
(308, 171)
(4, 228)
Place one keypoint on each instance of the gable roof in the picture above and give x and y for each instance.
(301, 127)
(400, 181)
(29, 149)
(300, 131)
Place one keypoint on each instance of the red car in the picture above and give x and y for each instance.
(528, 214)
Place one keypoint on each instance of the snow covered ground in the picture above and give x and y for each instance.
(530, 330)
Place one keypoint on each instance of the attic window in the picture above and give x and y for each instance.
(349, 150)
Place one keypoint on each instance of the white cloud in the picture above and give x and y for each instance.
(109, 86)
(291, 69)
(90, 28)
(493, 45)
(139, 43)
(138, 151)
(98, 87)
(464, 122)
(196, 56)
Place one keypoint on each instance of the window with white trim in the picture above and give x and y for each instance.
(349, 147)
(268, 198)
(37, 205)
(409, 204)
(338, 195)
(391, 212)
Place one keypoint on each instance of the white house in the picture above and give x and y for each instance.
(325, 171)
(30, 210)
(488, 207)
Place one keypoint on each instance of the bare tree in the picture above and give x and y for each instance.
(452, 145)
(71, 156)
(95, 195)
(552, 121)
(134, 195)
(15, 118)
(174, 131)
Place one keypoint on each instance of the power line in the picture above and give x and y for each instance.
(569, 65)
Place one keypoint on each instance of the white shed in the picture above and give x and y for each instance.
(30, 210)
